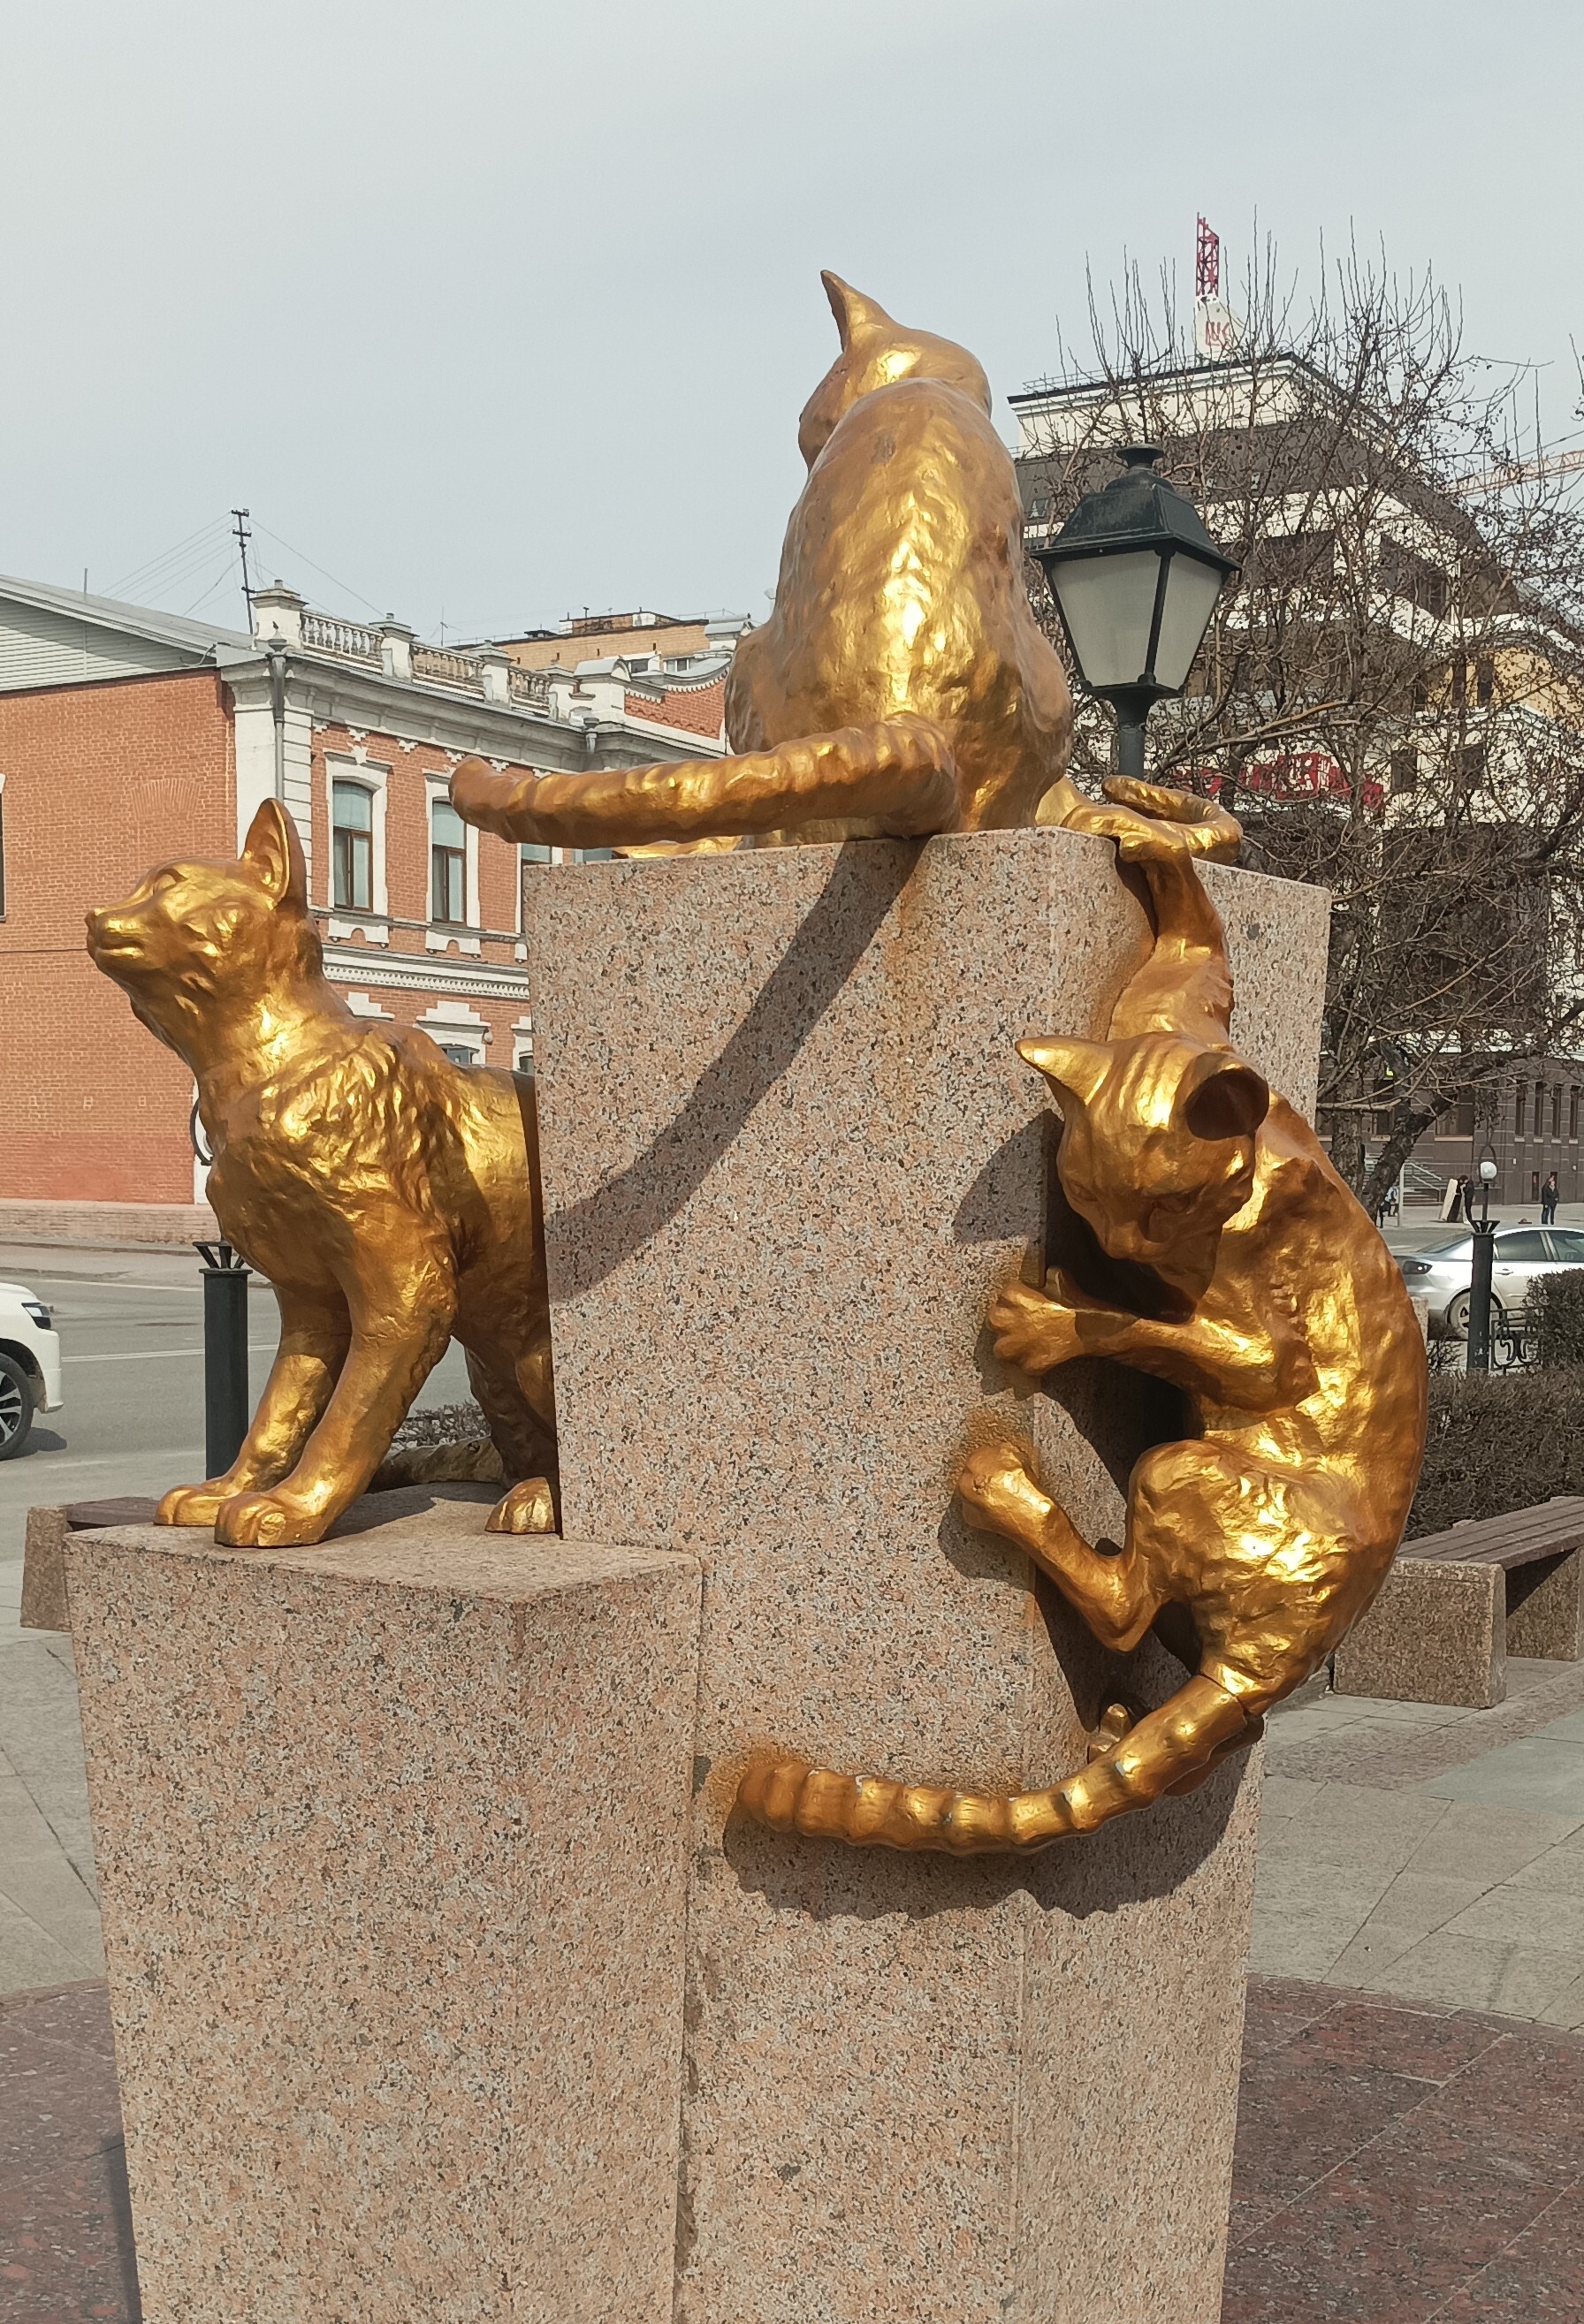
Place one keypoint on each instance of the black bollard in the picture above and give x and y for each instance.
(1479, 1357)
(226, 1401)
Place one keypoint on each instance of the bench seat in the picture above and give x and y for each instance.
(1455, 1604)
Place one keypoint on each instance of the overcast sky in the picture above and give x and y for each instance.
(498, 309)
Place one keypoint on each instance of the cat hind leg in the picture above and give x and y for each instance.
(898, 777)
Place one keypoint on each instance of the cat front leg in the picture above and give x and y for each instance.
(315, 1333)
(1034, 1330)
(1115, 1594)
(401, 1295)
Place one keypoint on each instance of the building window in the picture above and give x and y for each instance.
(1470, 766)
(595, 854)
(2, 854)
(1405, 769)
(447, 864)
(1457, 1120)
(1484, 681)
(1573, 1112)
(1520, 1110)
(1540, 1109)
(1556, 1110)
(533, 853)
(352, 846)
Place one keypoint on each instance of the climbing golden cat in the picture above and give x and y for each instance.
(1282, 1315)
(901, 685)
(391, 1197)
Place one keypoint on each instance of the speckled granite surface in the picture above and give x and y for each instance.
(788, 1149)
(391, 1843)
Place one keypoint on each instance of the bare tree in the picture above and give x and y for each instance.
(1393, 693)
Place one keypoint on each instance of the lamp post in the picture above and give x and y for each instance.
(1135, 577)
(1478, 1358)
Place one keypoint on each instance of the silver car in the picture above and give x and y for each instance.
(1442, 1274)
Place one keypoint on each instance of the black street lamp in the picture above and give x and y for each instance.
(1135, 577)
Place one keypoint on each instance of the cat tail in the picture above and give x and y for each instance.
(470, 1461)
(1171, 1749)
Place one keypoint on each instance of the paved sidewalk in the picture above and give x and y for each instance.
(1435, 1854)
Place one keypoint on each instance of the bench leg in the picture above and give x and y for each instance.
(1437, 1632)
(1544, 1608)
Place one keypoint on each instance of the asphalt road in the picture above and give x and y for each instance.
(131, 1326)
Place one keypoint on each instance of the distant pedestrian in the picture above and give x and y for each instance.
(1465, 1192)
(1549, 1194)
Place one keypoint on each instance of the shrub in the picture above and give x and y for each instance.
(1499, 1441)
(1556, 1313)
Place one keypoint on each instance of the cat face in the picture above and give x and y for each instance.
(876, 351)
(1158, 1142)
(193, 937)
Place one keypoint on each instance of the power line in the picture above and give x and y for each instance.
(265, 531)
(143, 575)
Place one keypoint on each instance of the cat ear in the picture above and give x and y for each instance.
(1226, 1099)
(1076, 1069)
(276, 852)
(853, 312)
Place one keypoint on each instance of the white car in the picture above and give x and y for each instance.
(30, 1365)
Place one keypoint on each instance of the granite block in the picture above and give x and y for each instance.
(43, 1571)
(1437, 1632)
(787, 1150)
(391, 1843)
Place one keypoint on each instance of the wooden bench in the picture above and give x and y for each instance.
(44, 1561)
(1457, 1603)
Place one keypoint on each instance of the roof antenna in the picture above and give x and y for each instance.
(243, 537)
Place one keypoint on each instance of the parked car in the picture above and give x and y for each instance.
(1443, 1273)
(30, 1365)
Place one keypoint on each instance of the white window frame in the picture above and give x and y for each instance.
(342, 767)
(438, 789)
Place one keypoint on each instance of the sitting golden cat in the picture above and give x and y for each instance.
(1273, 1304)
(901, 685)
(389, 1197)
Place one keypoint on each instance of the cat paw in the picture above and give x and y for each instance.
(528, 1508)
(269, 1521)
(998, 1493)
(192, 1505)
(1030, 1330)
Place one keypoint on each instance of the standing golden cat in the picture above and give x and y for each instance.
(389, 1197)
(901, 685)
(1279, 1310)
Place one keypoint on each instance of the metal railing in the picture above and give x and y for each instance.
(348, 639)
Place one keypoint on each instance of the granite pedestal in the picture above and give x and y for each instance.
(667, 2063)
(788, 1151)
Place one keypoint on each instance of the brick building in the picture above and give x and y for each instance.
(129, 736)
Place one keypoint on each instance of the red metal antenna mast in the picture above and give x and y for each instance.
(1206, 260)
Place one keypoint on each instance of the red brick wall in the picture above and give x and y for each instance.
(697, 710)
(102, 783)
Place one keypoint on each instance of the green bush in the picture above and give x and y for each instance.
(1499, 1441)
(1556, 1314)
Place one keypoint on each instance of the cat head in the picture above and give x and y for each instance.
(876, 351)
(197, 945)
(1158, 1143)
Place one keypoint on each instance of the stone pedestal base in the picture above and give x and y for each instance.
(434, 1997)
(391, 1843)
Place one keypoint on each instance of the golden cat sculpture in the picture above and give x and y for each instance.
(389, 1197)
(1282, 1315)
(901, 685)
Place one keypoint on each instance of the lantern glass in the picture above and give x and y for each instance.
(1108, 605)
(1191, 590)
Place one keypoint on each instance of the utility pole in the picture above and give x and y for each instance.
(243, 537)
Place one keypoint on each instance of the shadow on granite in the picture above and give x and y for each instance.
(1394, 2162)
